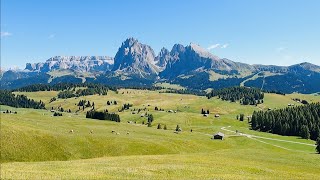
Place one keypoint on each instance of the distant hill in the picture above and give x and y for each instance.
(193, 67)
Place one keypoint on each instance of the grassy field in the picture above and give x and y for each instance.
(36, 145)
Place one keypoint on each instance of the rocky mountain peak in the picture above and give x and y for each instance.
(134, 58)
(163, 58)
(202, 52)
(177, 48)
(129, 42)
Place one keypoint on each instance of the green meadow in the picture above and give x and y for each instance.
(37, 145)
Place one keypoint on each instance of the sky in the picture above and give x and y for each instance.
(279, 32)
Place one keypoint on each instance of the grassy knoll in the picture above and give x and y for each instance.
(36, 145)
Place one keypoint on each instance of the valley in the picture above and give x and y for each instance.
(37, 145)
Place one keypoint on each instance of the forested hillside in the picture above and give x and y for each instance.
(246, 96)
(19, 101)
(301, 121)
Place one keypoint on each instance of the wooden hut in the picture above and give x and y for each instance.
(219, 135)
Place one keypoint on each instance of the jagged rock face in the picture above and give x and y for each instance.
(134, 58)
(76, 63)
(185, 65)
(194, 58)
(163, 58)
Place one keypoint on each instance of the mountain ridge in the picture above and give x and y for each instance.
(181, 64)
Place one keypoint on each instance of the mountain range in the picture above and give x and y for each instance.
(191, 66)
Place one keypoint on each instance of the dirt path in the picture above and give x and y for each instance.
(273, 139)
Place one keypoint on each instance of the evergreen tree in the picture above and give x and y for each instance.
(88, 104)
(150, 118)
(165, 127)
(318, 145)
(304, 133)
(241, 117)
(159, 126)
(178, 128)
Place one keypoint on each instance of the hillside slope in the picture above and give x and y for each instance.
(31, 136)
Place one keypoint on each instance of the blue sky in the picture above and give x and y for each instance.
(281, 32)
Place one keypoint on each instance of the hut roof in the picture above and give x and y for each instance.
(220, 134)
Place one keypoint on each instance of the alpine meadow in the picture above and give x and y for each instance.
(82, 98)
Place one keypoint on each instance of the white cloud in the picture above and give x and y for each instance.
(214, 46)
(5, 34)
(51, 36)
(224, 46)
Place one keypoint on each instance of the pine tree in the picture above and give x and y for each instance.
(241, 117)
(178, 128)
(88, 104)
(318, 145)
(159, 126)
(304, 132)
(150, 118)
(165, 127)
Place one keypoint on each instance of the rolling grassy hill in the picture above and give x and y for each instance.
(36, 145)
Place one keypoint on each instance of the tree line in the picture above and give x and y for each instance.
(185, 91)
(63, 86)
(82, 92)
(103, 115)
(303, 121)
(246, 96)
(19, 101)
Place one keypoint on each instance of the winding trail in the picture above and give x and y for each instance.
(273, 139)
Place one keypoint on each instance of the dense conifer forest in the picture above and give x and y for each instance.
(303, 121)
(246, 96)
(103, 116)
(19, 101)
(65, 86)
